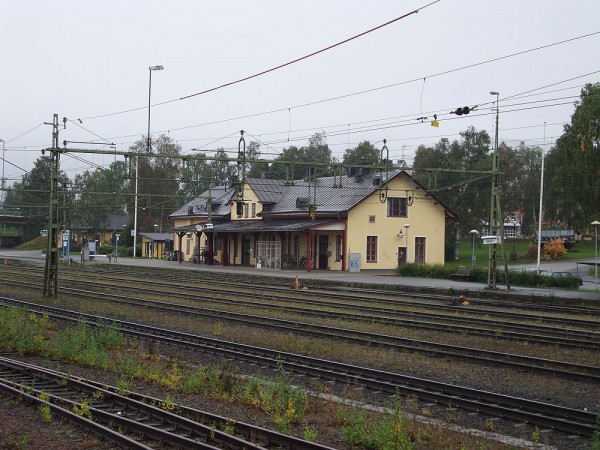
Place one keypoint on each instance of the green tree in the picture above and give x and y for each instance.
(31, 196)
(294, 162)
(443, 169)
(520, 183)
(196, 175)
(158, 182)
(364, 153)
(255, 168)
(222, 169)
(573, 166)
(100, 193)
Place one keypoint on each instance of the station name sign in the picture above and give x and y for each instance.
(487, 240)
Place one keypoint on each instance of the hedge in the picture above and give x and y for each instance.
(480, 275)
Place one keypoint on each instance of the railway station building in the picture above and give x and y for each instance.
(367, 219)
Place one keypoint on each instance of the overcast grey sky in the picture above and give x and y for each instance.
(86, 59)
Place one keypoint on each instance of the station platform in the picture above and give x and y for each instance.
(376, 277)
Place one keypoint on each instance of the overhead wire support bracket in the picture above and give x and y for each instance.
(241, 175)
(383, 191)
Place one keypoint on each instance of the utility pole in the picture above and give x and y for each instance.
(494, 210)
(51, 268)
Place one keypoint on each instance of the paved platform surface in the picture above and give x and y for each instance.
(383, 277)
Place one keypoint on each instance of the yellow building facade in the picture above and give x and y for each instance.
(351, 223)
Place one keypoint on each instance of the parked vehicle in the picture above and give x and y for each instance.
(565, 274)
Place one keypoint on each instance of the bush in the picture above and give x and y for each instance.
(106, 249)
(531, 251)
(555, 249)
(480, 275)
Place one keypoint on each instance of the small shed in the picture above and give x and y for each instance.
(156, 245)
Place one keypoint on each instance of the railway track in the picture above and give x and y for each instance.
(484, 357)
(133, 420)
(567, 420)
(457, 322)
(275, 288)
(341, 290)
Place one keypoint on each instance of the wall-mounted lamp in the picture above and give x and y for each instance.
(401, 235)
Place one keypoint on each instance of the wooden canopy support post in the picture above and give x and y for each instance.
(309, 238)
(198, 255)
(342, 235)
(210, 244)
(235, 247)
(283, 238)
(225, 250)
(180, 235)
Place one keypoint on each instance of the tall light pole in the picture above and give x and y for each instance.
(595, 223)
(3, 159)
(148, 148)
(540, 214)
(474, 234)
(407, 226)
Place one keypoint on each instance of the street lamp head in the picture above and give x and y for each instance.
(596, 223)
(406, 225)
(494, 93)
(474, 232)
(156, 67)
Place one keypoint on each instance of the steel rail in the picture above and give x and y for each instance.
(533, 333)
(275, 283)
(451, 303)
(484, 357)
(112, 406)
(560, 418)
(396, 297)
(570, 341)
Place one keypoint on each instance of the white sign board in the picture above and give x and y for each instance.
(487, 240)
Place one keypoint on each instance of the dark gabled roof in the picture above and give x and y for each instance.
(266, 189)
(220, 195)
(333, 194)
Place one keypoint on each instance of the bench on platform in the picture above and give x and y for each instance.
(462, 273)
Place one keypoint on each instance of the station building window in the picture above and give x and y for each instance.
(419, 249)
(396, 207)
(371, 248)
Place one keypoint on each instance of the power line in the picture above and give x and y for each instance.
(281, 65)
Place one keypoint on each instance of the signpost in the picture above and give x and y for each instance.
(66, 246)
(489, 240)
(117, 236)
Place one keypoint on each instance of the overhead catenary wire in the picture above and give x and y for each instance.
(437, 74)
(409, 118)
(365, 129)
(280, 66)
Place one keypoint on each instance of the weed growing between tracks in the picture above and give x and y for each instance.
(291, 409)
